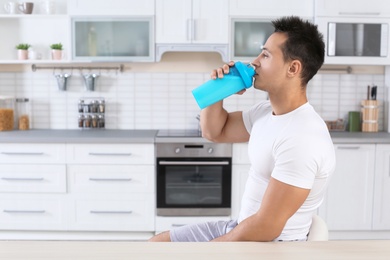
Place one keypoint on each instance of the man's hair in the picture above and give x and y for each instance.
(304, 43)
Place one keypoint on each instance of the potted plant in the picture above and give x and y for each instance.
(22, 50)
(56, 51)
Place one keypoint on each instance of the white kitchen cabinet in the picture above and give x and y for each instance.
(352, 8)
(112, 187)
(381, 214)
(191, 21)
(274, 9)
(113, 7)
(348, 203)
(32, 186)
(33, 153)
(32, 211)
(241, 166)
(191, 26)
(110, 154)
(102, 38)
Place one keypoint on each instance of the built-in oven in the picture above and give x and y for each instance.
(193, 179)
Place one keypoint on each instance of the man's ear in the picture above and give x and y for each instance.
(295, 68)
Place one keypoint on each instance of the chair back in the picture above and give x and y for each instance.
(318, 230)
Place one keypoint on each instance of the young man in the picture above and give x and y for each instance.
(290, 149)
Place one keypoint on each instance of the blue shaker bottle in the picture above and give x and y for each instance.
(239, 77)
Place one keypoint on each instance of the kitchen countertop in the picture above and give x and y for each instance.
(85, 250)
(150, 136)
(78, 136)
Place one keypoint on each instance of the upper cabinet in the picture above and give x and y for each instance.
(117, 7)
(352, 8)
(264, 8)
(355, 32)
(191, 25)
(102, 38)
(250, 23)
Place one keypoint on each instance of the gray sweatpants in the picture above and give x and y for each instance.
(202, 232)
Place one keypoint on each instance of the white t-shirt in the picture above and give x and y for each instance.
(294, 148)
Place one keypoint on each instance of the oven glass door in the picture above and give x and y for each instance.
(194, 183)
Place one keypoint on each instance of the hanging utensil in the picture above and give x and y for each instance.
(90, 81)
(62, 81)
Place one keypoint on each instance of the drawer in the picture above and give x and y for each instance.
(168, 223)
(33, 178)
(32, 153)
(135, 213)
(111, 178)
(110, 153)
(29, 212)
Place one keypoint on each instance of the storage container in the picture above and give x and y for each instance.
(23, 113)
(7, 108)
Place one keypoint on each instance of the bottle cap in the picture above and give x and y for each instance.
(247, 72)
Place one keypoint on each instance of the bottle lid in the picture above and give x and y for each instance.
(247, 72)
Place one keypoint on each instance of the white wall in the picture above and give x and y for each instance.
(158, 95)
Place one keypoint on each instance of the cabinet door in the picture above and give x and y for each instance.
(173, 21)
(381, 219)
(264, 8)
(113, 7)
(348, 202)
(373, 8)
(191, 21)
(210, 21)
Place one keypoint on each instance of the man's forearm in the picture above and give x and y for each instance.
(213, 120)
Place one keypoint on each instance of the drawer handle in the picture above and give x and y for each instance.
(111, 212)
(22, 153)
(178, 225)
(21, 179)
(359, 13)
(110, 154)
(24, 211)
(110, 179)
(348, 147)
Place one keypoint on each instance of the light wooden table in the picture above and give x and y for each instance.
(86, 250)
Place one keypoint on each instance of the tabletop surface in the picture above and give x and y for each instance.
(60, 250)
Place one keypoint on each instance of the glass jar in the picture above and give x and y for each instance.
(101, 121)
(102, 106)
(7, 108)
(81, 121)
(81, 106)
(87, 121)
(94, 121)
(23, 113)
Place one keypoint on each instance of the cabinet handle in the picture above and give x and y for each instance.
(110, 212)
(24, 211)
(110, 179)
(110, 154)
(359, 13)
(193, 30)
(348, 147)
(192, 163)
(22, 153)
(21, 179)
(178, 225)
(189, 31)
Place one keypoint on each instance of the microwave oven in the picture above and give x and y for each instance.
(355, 41)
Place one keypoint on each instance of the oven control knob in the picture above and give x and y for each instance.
(210, 150)
(177, 150)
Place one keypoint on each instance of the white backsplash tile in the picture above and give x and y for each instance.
(164, 100)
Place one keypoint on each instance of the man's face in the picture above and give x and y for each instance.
(270, 66)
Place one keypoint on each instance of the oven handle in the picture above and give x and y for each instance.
(192, 163)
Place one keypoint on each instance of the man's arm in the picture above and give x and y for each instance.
(280, 202)
(217, 124)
